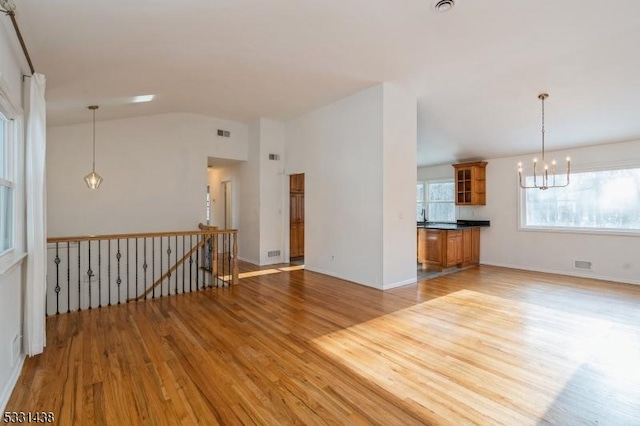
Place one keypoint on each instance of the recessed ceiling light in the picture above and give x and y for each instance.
(443, 5)
(142, 98)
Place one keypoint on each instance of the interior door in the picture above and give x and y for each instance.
(296, 215)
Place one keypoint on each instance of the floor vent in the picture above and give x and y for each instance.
(582, 264)
(273, 253)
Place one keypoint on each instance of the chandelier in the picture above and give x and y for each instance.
(93, 180)
(541, 178)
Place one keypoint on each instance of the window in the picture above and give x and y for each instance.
(435, 201)
(600, 200)
(6, 185)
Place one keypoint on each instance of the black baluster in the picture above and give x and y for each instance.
(109, 269)
(161, 280)
(153, 267)
(137, 289)
(168, 265)
(144, 264)
(68, 277)
(183, 253)
(90, 275)
(128, 293)
(175, 278)
(99, 274)
(190, 263)
(118, 280)
(198, 267)
(57, 289)
(79, 278)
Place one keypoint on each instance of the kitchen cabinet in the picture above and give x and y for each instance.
(470, 180)
(439, 248)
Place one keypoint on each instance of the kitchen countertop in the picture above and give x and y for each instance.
(461, 224)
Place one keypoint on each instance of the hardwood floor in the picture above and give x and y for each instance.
(484, 346)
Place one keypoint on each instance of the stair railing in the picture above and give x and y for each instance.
(85, 272)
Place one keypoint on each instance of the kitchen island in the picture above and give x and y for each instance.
(448, 245)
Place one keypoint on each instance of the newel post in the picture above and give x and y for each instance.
(234, 278)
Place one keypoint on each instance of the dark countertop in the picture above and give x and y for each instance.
(461, 224)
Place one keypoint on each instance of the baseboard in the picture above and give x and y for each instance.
(558, 272)
(8, 389)
(334, 275)
(401, 283)
(251, 261)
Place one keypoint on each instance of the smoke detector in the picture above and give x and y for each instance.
(443, 5)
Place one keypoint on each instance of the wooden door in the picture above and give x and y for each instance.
(296, 215)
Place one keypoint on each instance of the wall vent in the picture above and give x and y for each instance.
(582, 264)
(224, 133)
(274, 157)
(273, 253)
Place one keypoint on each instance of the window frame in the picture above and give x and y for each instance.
(426, 202)
(586, 168)
(13, 113)
(7, 144)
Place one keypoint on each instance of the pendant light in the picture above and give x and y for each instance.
(93, 180)
(543, 174)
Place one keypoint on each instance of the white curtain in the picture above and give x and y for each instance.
(36, 197)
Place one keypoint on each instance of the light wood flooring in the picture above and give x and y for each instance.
(484, 346)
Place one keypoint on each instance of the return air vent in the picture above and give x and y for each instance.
(224, 133)
(582, 264)
(274, 157)
(273, 253)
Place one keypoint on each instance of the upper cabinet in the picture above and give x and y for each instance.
(470, 183)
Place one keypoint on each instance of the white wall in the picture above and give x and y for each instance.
(272, 180)
(613, 257)
(399, 152)
(249, 190)
(12, 278)
(261, 204)
(154, 170)
(340, 149)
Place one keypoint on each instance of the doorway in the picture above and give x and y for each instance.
(225, 191)
(296, 217)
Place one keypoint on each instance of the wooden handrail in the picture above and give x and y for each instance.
(140, 235)
(170, 271)
(114, 267)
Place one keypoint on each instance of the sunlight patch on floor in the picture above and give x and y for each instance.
(502, 361)
(263, 272)
(292, 268)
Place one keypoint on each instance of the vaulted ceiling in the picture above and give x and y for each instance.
(475, 70)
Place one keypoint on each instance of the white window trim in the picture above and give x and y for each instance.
(11, 258)
(585, 167)
(426, 201)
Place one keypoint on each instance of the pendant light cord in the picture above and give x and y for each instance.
(94, 141)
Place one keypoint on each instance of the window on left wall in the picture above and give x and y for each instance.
(7, 137)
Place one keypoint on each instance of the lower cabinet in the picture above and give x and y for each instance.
(439, 248)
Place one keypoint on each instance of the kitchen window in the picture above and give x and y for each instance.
(435, 201)
(605, 201)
